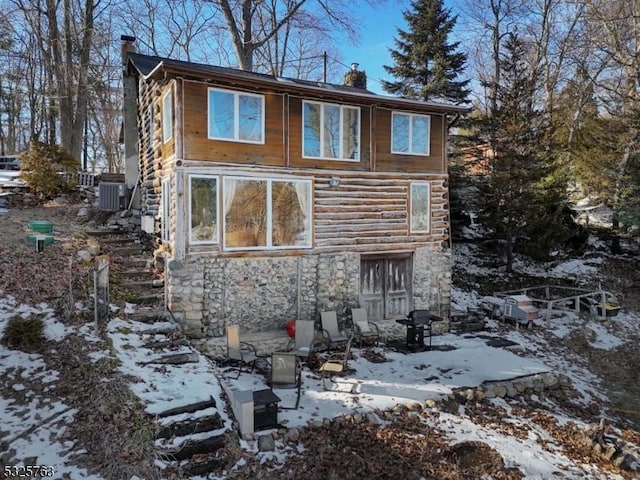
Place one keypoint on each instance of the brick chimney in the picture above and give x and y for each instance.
(356, 78)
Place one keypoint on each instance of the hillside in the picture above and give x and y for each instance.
(86, 402)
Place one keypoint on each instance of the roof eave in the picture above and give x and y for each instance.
(292, 87)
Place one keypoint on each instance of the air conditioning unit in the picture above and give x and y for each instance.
(110, 195)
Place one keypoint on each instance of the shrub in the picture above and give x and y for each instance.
(26, 334)
(43, 167)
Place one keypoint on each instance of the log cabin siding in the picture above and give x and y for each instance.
(390, 162)
(369, 214)
(364, 213)
(198, 146)
(153, 153)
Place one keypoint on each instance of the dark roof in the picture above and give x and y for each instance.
(148, 66)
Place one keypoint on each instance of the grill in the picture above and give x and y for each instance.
(416, 323)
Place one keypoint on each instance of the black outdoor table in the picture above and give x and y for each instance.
(416, 323)
(265, 409)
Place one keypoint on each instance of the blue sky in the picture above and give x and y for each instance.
(378, 28)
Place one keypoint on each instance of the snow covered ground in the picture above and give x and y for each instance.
(34, 425)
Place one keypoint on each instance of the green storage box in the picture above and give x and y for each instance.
(41, 226)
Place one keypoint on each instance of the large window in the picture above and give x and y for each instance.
(420, 207)
(167, 117)
(266, 213)
(203, 209)
(236, 116)
(410, 133)
(331, 131)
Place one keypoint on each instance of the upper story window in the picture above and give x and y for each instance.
(331, 131)
(236, 116)
(167, 117)
(410, 133)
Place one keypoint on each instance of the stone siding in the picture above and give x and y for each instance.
(262, 294)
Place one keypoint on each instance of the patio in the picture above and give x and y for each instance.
(379, 378)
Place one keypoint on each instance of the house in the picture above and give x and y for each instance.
(272, 199)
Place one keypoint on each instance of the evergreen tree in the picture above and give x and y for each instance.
(426, 64)
(524, 191)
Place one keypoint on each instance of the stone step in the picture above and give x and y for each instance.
(134, 262)
(134, 250)
(142, 272)
(174, 359)
(190, 408)
(143, 284)
(148, 317)
(206, 423)
(125, 241)
(202, 468)
(191, 448)
(157, 298)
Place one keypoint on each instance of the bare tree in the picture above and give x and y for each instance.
(253, 23)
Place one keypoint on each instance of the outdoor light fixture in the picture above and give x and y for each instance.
(334, 181)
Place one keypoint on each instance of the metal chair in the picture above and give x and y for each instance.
(336, 363)
(363, 328)
(286, 372)
(330, 330)
(303, 342)
(241, 353)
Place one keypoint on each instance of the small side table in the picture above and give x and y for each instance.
(265, 409)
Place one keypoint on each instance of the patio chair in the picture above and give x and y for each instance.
(364, 330)
(240, 353)
(330, 331)
(336, 363)
(303, 342)
(286, 372)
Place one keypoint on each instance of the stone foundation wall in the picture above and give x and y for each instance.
(432, 284)
(206, 292)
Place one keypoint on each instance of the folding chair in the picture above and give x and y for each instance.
(330, 331)
(336, 363)
(239, 352)
(286, 372)
(304, 339)
(363, 328)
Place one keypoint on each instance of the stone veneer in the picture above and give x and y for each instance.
(262, 294)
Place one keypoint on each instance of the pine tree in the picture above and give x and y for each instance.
(523, 196)
(427, 66)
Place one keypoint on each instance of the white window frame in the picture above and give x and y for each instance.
(167, 117)
(342, 109)
(166, 210)
(411, 187)
(410, 133)
(236, 116)
(216, 240)
(269, 234)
